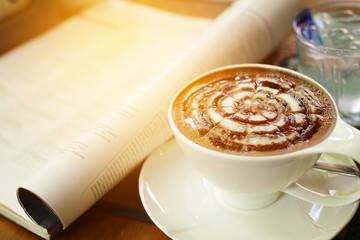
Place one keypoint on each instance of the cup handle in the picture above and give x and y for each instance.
(344, 140)
(326, 188)
(329, 188)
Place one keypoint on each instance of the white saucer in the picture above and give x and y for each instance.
(182, 205)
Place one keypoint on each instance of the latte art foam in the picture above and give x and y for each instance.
(253, 113)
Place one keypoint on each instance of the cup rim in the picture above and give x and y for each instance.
(320, 48)
(252, 158)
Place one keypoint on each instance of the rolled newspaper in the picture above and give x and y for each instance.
(73, 180)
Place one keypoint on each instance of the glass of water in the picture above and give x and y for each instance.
(328, 47)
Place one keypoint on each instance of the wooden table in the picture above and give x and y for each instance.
(113, 216)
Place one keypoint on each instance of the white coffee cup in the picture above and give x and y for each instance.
(251, 182)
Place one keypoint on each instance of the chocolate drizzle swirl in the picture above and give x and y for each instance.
(254, 113)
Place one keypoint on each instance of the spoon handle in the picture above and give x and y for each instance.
(337, 168)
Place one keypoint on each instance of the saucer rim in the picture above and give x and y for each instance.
(164, 147)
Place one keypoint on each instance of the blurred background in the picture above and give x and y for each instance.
(21, 20)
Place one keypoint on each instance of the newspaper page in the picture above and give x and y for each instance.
(130, 89)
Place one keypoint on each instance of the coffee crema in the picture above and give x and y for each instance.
(254, 111)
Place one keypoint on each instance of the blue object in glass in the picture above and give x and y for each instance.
(308, 28)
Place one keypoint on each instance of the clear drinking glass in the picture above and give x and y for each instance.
(328, 47)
